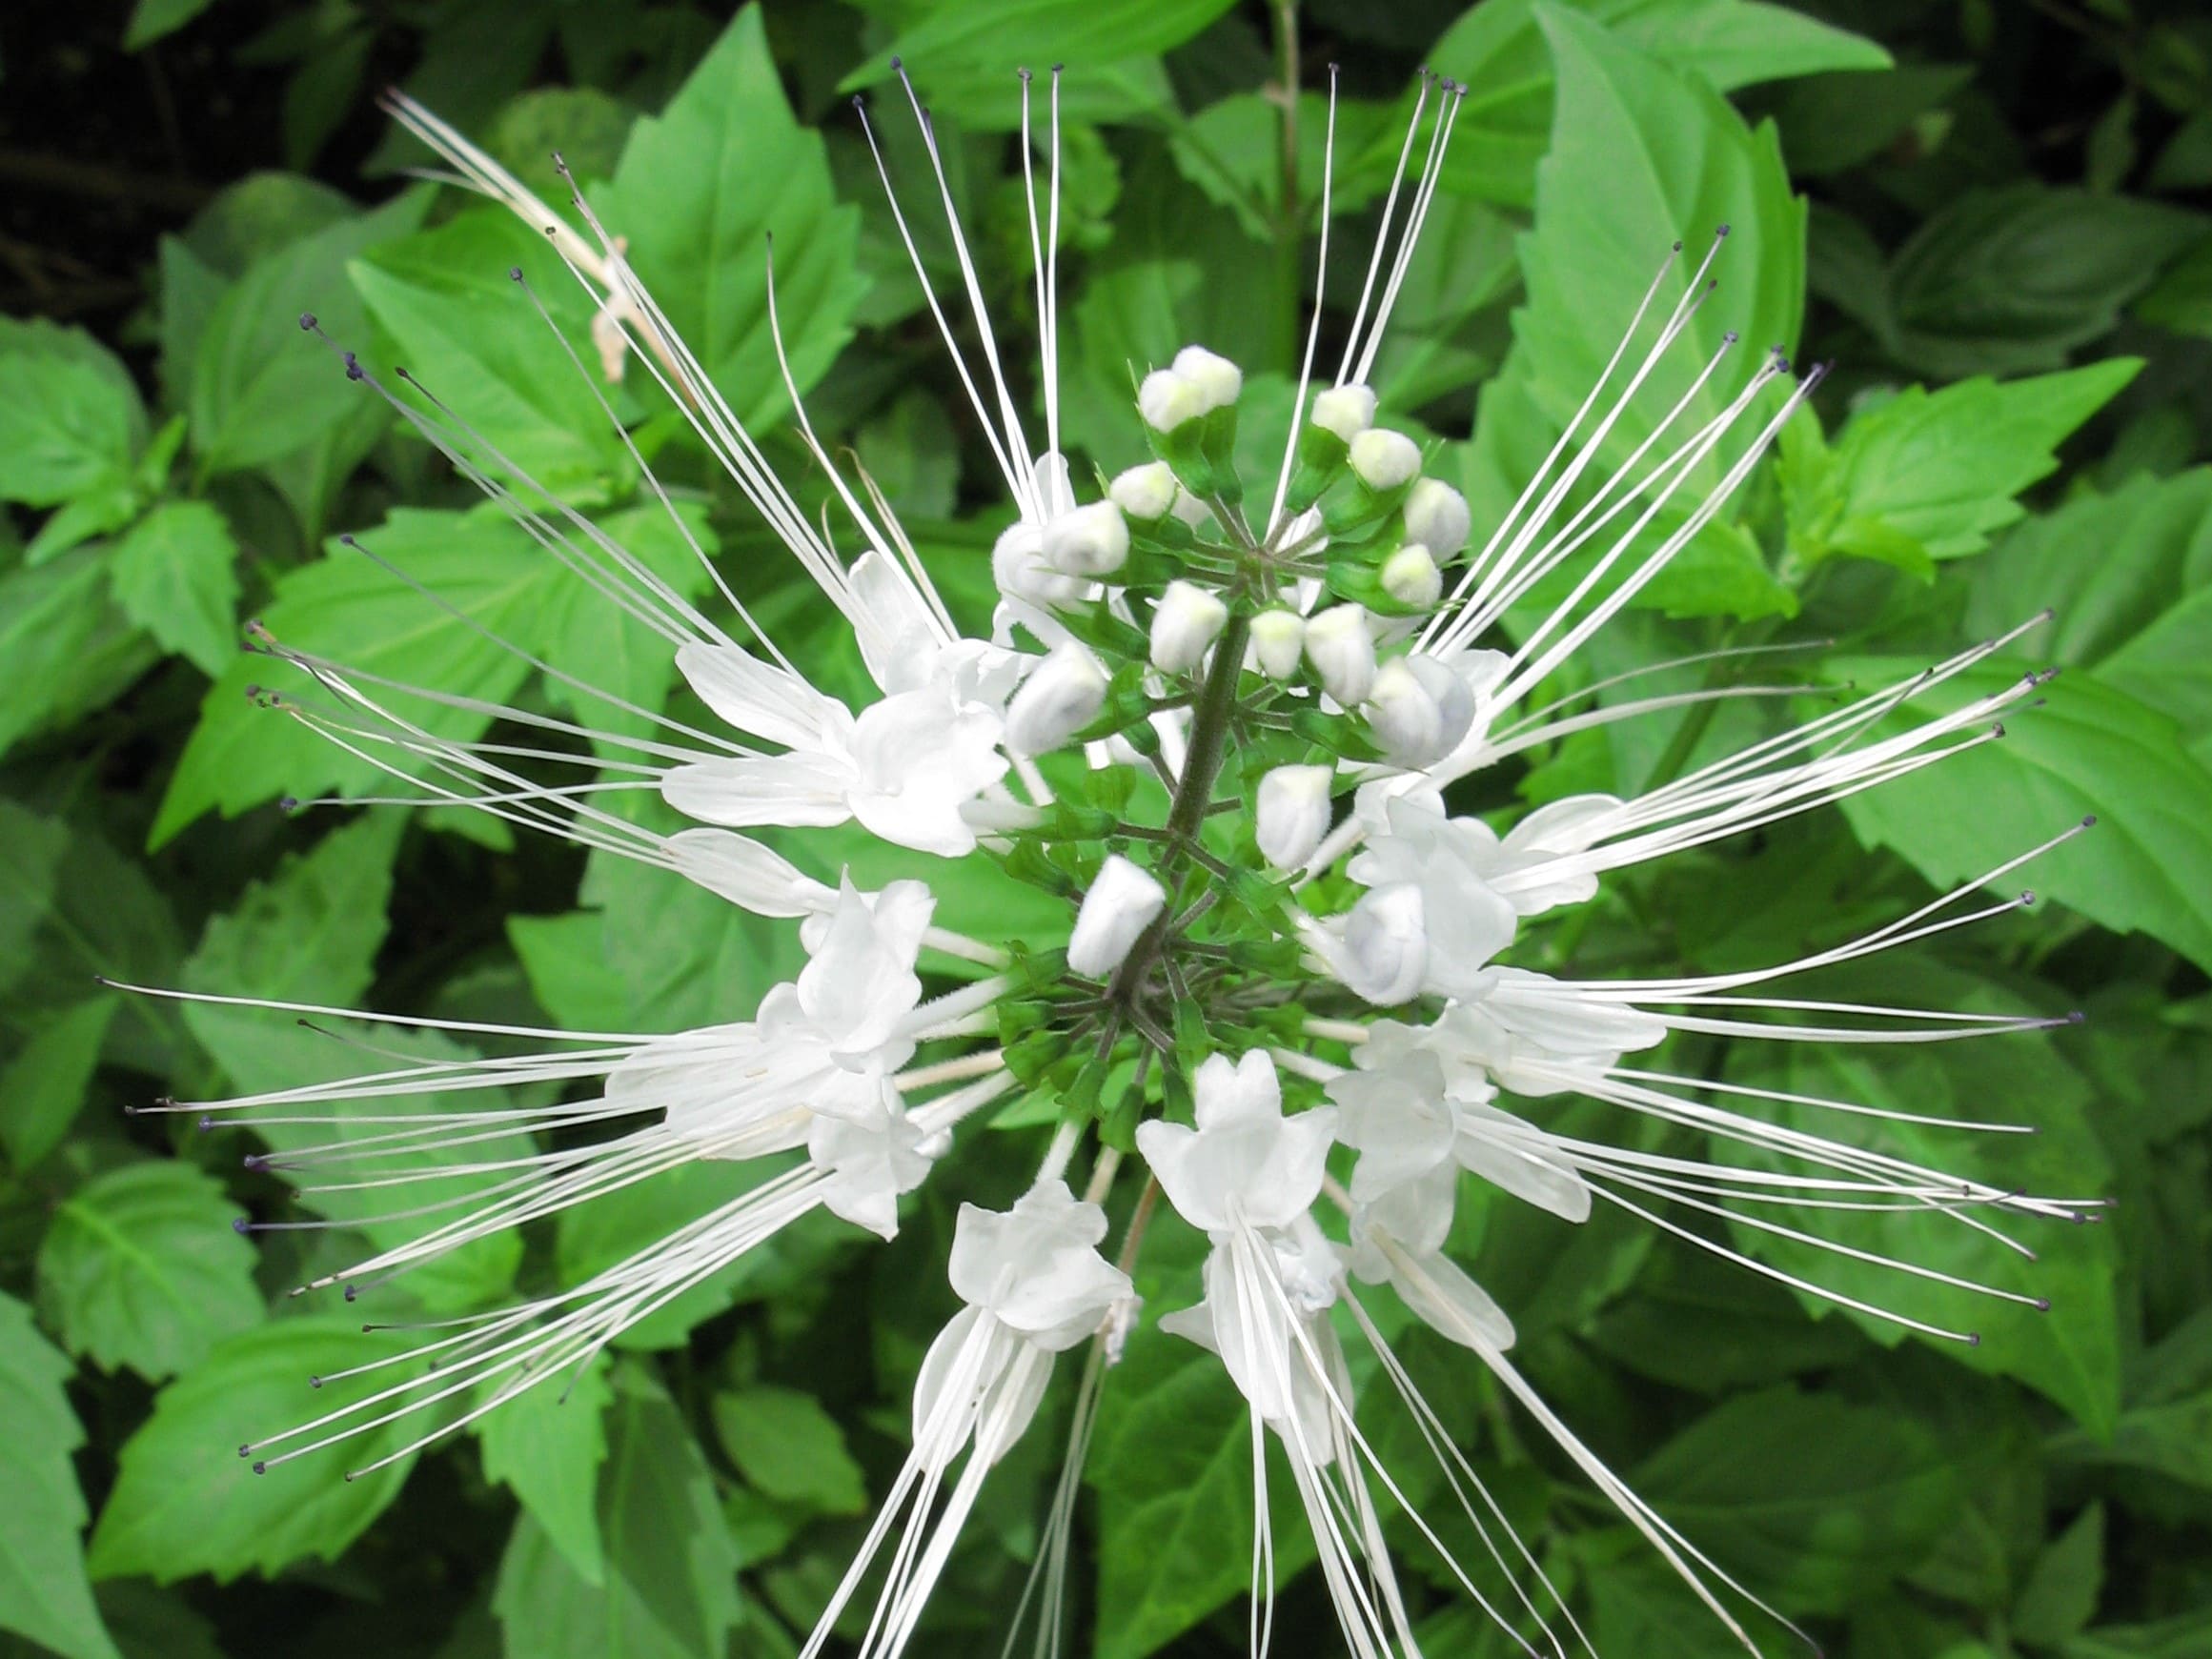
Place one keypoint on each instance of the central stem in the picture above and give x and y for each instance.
(1208, 748)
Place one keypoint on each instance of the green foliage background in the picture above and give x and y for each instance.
(1987, 213)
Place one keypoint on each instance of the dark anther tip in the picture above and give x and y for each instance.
(1723, 231)
(514, 273)
(896, 63)
(1997, 728)
(351, 1475)
(241, 1226)
(288, 803)
(354, 369)
(261, 1468)
(1973, 1339)
(2089, 822)
(347, 539)
(1677, 246)
(255, 1162)
(1023, 75)
(306, 321)
(2075, 1017)
(246, 1450)
(206, 1123)
(2027, 895)
(315, 1382)
(2043, 1304)
(352, 1292)
(1730, 338)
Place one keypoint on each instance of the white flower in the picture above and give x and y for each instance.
(1341, 648)
(1384, 459)
(1122, 902)
(1445, 860)
(1246, 1163)
(1382, 954)
(1167, 400)
(1144, 493)
(1091, 542)
(1436, 516)
(1291, 814)
(1060, 696)
(1278, 639)
(1185, 622)
(1218, 380)
(869, 1159)
(1347, 410)
(1403, 716)
(1410, 575)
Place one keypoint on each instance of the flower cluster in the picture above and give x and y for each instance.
(1225, 719)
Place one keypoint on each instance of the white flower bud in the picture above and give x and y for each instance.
(1347, 410)
(1403, 716)
(1456, 703)
(1385, 459)
(1436, 516)
(1278, 636)
(1292, 814)
(1343, 653)
(1411, 576)
(1386, 945)
(1018, 566)
(1167, 400)
(1218, 379)
(1059, 699)
(1144, 493)
(1184, 622)
(1120, 905)
(1091, 542)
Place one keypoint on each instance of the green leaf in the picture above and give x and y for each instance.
(262, 389)
(43, 1088)
(2187, 1637)
(599, 643)
(1814, 1500)
(568, 970)
(171, 574)
(700, 187)
(1497, 50)
(787, 1447)
(309, 934)
(1638, 1605)
(670, 1588)
(2092, 750)
(1693, 1321)
(1938, 471)
(186, 1502)
(43, 1591)
(67, 649)
(2009, 281)
(1643, 157)
(459, 321)
(2059, 1597)
(2070, 1353)
(1172, 1466)
(1832, 123)
(547, 1445)
(141, 1267)
(71, 421)
(350, 608)
(687, 958)
(2171, 1438)
(2183, 298)
(152, 19)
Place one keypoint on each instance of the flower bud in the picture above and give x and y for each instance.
(1292, 814)
(1060, 696)
(1343, 653)
(1184, 622)
(1347, 410)
(1411, 576)
(1386, 945)
(1019, 568)
(1144, 493)
(1385, 460)
(1278, 636)
(1167, 400)
(1455, 704)
(1218, 380)
(1436, 516)
(1120, 905)
(1403, 716)
(1091, 542)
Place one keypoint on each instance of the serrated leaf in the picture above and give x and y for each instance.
(2059, 1597)
(459, 322)
(141, 1267)
(44, 1594)
(349, 607)
(173, 574)
(260, 387)
(67, 429)
(2092, 750)
(670, 1588)
(700, 187)
(185, 1502)
(1813, 1500)
(547, 1445)
(67, 649)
